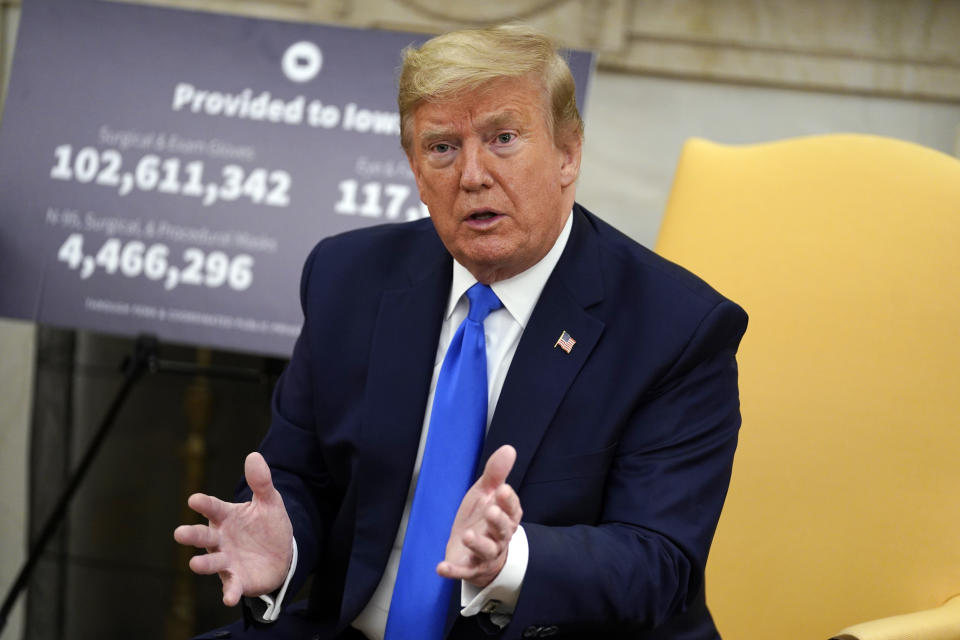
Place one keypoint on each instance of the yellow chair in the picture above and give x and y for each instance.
(845, 500)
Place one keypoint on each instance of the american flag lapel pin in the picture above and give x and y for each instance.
(565, 342)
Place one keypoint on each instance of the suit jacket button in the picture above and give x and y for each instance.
(533, 631)
(552, 630)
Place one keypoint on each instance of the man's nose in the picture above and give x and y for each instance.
(474, 174)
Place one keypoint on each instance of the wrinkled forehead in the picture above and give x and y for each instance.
(496, 102)
(465, 94)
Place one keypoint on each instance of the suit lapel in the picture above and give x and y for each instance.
(541, 373)
(401, 365)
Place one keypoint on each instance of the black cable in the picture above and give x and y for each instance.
(144, 359)
(144, 351)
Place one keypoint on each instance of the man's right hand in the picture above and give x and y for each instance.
(249, 545)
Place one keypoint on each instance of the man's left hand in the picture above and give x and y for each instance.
(486, 520)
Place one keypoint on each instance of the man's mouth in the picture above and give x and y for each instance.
(483, 219)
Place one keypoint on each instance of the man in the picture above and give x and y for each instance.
(612, 413)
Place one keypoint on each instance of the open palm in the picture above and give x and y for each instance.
(250, 544)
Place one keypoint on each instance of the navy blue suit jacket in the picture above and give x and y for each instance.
(624, 445)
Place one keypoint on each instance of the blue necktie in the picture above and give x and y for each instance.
(458, 422)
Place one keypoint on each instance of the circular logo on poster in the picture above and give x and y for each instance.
(302, 61)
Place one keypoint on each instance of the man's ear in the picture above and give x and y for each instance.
(571, 149)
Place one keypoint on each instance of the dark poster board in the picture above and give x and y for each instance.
(167, 171)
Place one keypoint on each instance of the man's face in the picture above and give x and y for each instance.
(498, 186)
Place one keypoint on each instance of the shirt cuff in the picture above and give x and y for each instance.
(499, 598)
(274, 600)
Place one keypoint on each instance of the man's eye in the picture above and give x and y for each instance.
(441, 148)
(505, 138)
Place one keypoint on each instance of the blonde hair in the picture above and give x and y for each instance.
(466, 60)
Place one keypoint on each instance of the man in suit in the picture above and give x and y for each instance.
(612, 412)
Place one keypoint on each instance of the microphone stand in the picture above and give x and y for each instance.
(143, 359)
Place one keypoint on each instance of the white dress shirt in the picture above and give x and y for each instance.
(502, 329)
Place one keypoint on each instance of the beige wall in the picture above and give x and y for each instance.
(17, 341)
(636, 126)
(902, 48)
(9, 17)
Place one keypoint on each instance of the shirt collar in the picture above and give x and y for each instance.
(520, 293)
